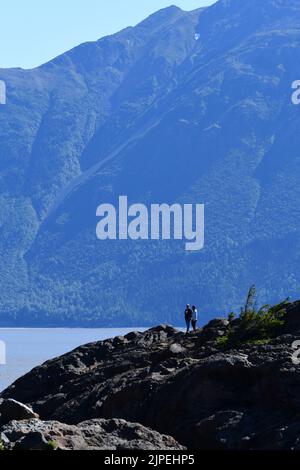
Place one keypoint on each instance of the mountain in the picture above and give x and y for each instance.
(185, 107)
(185, 386)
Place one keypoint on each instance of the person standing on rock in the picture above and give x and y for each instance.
(188, 317)
(194, 317)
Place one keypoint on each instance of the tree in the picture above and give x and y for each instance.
(250, 302)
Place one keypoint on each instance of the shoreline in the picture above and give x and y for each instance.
(72, 328)
(109, 328)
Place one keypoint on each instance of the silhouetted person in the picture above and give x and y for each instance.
(188, 317)
(194, 317)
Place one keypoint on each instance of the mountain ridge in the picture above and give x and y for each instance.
(157, 115)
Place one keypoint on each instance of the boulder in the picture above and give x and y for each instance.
(214, 329)
(97, 434)
(292, 318)
(177, 349)
(13, 410)
(34, 440)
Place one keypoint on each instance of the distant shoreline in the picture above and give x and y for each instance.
(68, 327)
(133, 328)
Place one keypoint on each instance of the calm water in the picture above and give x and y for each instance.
(28, 348)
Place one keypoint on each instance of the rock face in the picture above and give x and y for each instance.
(179, 385)
(98, 434)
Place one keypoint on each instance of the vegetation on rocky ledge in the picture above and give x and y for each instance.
(256, 326)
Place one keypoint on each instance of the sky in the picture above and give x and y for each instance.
(35, 31)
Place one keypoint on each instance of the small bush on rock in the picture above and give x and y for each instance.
(52, 445)
(254, 326)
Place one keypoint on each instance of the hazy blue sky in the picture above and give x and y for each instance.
(34, 31)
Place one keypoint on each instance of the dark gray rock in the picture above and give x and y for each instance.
(217, 431)
(34, 440)
(98, 434)
(13, 410)
(292, 324)
(214, 329)
(177, 385)
(218, 323)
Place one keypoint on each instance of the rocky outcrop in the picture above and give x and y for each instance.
(180, 385)
(214, 329)
(98, 434)
(13, 410)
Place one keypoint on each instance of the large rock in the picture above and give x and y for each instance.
(33, 440)
(90, 435)
(292, 323)
(214, 329)
(13, 410)
(176, 384)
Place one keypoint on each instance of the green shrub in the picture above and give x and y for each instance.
(52, 445)
(222, 341)
(255, 326)
(258, 342)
